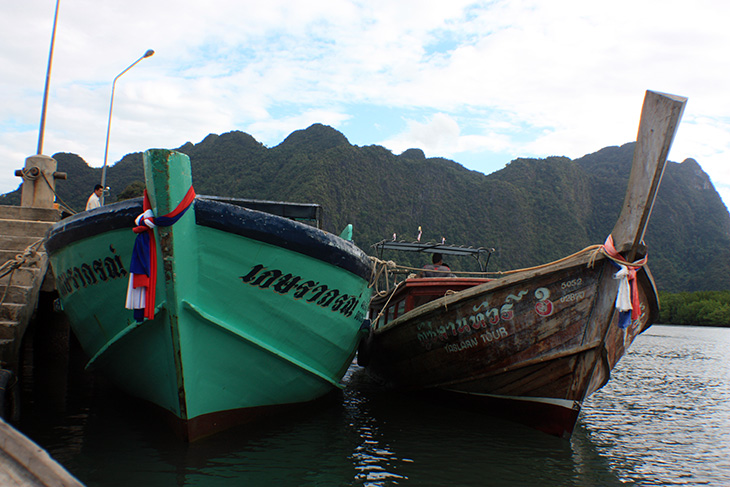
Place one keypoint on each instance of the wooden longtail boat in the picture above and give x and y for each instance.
(252, 311)
(535, 343)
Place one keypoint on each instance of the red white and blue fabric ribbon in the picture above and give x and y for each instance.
(143, 269)
(628, 292)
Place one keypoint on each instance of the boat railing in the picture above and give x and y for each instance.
(480, 254)
(309, 213)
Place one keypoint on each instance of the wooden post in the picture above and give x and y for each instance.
(39, 178)
(660, 117)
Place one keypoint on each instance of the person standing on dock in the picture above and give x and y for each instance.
(94, 200)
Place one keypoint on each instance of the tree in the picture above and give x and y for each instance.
(133, 190)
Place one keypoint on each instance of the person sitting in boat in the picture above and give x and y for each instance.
(441, 269)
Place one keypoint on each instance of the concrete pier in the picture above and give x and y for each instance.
(23, 260)
(23, 272)
(23, 268)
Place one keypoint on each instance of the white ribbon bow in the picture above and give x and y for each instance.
(623, 299)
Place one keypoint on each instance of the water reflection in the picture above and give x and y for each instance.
(665, 414)
(662, 420)
(408, 441)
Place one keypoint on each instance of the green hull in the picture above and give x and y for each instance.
(245, 319)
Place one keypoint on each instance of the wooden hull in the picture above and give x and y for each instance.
(537, 342)
(253, 311)
(534, 344)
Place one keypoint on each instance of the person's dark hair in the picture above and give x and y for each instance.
(98, 186)
(437, 258)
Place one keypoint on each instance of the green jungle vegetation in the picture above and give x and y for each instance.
(708, 308)
(531, 212)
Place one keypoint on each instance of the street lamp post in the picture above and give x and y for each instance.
(48, 81)
(149, 53)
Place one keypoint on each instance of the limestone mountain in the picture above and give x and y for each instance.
(531, 211)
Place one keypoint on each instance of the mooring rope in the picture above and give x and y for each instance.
(58, 198)
(11, 265)
(382, 268)
(595, 250)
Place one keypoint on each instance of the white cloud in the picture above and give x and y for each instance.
(273, 131)
(439, 135)
(514, 78)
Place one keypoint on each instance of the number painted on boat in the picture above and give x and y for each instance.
(572, 283)
(569, 298)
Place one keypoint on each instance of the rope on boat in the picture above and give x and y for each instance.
(601, 249)
(11, 265)
(381, 267)
(374, 323)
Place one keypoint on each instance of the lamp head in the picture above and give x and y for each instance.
(148, 53)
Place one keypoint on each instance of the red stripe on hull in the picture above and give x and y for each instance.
(209, 424)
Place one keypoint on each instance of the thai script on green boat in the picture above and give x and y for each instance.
(311, 291)
(90, 273)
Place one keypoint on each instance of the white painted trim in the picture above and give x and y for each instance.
(564, 403)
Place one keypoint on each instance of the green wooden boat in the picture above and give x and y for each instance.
(252, 310)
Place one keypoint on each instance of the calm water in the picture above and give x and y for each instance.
(664, 419)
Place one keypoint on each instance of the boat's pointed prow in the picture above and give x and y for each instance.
(168, 178)
(660, 117)
(347, 232)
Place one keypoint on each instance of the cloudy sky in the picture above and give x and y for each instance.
(479, 82)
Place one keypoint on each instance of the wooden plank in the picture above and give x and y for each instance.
(27, 464)
(660, 117)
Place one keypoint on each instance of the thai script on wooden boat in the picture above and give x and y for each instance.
(493, 315)
(90, 273)
(483, 317)
(311, 291)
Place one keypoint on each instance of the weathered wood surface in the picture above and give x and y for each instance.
(660, 117)
(547, 336)
(500, 327)
(25, 464)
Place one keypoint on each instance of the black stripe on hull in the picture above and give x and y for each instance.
(232, 218)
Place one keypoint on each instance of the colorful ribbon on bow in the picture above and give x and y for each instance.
(628, 292)
(143, 269)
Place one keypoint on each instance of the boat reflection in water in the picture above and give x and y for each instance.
(359, 436)
(648, 426)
